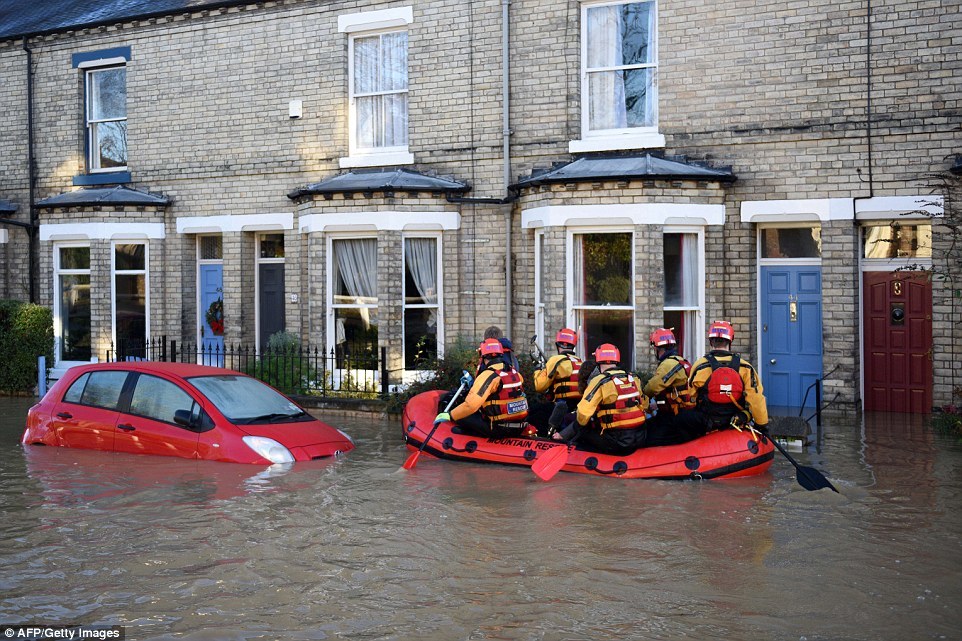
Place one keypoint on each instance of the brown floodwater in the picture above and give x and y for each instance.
(357, 548)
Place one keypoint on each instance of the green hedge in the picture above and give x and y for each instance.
(26, 332)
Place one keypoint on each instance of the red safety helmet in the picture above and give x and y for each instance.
(663, 336)
(490, 347)
(607, 353)
(721, 329)
(566, 336)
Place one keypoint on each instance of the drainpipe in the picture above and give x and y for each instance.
(32, 179)
(868, 92)
(506, 135)
(506, 152)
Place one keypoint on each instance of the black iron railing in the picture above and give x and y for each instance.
(347, 371)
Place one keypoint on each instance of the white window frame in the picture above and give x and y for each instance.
(365, 25)
(93, 154)
(615, 139)
(57, 325)
(366, 377)
(696, 350)
(114, 272)
(410, 376)
(572, 315)
(539, 304)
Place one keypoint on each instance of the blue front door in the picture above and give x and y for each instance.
(212, 314)
(791, 306)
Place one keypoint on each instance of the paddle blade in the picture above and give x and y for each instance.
(811, 479)
(412, 461)
(550, 463)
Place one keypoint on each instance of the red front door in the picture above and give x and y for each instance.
(897, 317)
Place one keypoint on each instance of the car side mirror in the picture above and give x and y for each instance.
(184, 418)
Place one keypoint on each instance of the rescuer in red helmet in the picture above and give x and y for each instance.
(611, 416)
(495, 406)
(728, 391)
(667, 389)
(557, 380)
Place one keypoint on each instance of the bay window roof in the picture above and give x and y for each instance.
(627, 167)
(362, 181)
(105, 196)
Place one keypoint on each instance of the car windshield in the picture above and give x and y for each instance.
(245, 401)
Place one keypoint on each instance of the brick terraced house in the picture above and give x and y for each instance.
(411, 172)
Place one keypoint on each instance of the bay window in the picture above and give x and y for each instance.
(354, 299)
(684, 291)
(603, 292)
(72, 303)
(421, 302)
(130, 299)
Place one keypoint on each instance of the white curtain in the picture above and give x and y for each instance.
(356, 262)
(381, 65)
(420, 255)
(610, 31)
(606, 89)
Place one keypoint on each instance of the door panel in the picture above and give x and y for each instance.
(82, 426)
(271, 310)
(898, 351)
(791, 343)
(212, 337)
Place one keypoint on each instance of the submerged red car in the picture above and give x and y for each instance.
(179, 409)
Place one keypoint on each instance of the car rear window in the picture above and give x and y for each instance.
(103, 389)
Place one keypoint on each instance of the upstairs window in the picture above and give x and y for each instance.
(106, 118)
(378, 87)
(105, 115)
(619, 77)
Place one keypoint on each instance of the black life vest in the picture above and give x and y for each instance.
(565, 388)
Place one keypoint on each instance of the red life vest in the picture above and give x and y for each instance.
(724, 385)
(566, 387)
(509, 403)
(626, 411)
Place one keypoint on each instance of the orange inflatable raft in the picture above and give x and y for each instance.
(722, 454)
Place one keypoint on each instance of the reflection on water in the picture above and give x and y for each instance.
(357, 547)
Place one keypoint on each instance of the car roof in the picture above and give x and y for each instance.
(183, 370)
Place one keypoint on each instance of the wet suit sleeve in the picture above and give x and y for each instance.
(656, 384)
(544, 378)
(588, 405)
(483, 387)
(754, 394)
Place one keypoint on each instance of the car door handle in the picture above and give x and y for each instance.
(65, 415)
(126, 427)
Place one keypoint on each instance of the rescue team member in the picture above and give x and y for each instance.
(668, 389)
(495, 332)
(611, 416)
(495, 406)
(728, 391)
(669, 384)
(557, 380)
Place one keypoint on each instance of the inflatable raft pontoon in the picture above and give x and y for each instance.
(721, 454)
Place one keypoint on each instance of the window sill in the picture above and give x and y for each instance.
(377, 159)
(106, 178)
(617, 142)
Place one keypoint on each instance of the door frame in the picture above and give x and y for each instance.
(881, 265)
(778, 262)
(197, 295)
(258, 261)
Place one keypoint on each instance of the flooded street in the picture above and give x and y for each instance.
(357, 548)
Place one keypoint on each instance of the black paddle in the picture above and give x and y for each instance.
(808, 477)
(413, 459)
